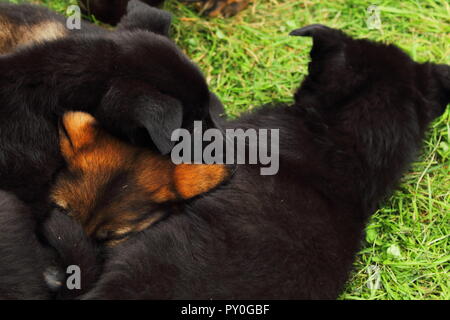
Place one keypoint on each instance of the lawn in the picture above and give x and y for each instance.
(249, 60)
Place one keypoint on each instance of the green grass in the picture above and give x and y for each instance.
(249, 60)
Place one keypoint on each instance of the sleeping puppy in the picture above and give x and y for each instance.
(112, 11)
(357, 122)
(39, 76)
(142, 186)
(138, 84)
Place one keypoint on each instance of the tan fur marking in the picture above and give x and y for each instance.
(80, 129)
(148, 222)
(95, 158)
(13, 36)
(194, 179)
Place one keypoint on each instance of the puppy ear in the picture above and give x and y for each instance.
(169, 182)
(139, 113)
(191, 180)
(160, 116)
(442, 72)
(324, 38)
(144, 17)
(76, 130)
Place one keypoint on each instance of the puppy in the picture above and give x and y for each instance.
(37, 75)
(141, 187)
(356, 124)
(138, 84)
(112, 11)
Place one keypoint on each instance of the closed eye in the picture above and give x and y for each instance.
(61, 209)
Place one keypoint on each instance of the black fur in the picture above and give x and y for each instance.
(144, 17)
(122, 84)
(110, 11)
(24, 259)
(72, 247)
(33, 267)
(37, 84)
(356, 124)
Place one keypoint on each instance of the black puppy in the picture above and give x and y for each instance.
(137, 83)
(356, 124)
(111, 11)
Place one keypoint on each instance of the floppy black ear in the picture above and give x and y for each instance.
(160, 116)
(141, 114)
(144, 17)
(323, 37)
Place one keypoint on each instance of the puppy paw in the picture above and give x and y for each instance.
(54, 278)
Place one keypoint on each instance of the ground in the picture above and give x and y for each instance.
(249, 60)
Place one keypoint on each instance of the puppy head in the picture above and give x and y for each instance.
(343, 70)
(157, 90)
(114, 189)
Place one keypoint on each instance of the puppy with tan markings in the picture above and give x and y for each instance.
(46, 70)
(114, 189)
(138, 84)
(356, 124)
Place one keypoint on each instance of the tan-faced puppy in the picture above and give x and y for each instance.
(357, 121)
(138, 84)
(114, 189)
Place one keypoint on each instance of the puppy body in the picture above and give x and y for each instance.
(357, 122)
(40, 78)
(122, 84)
